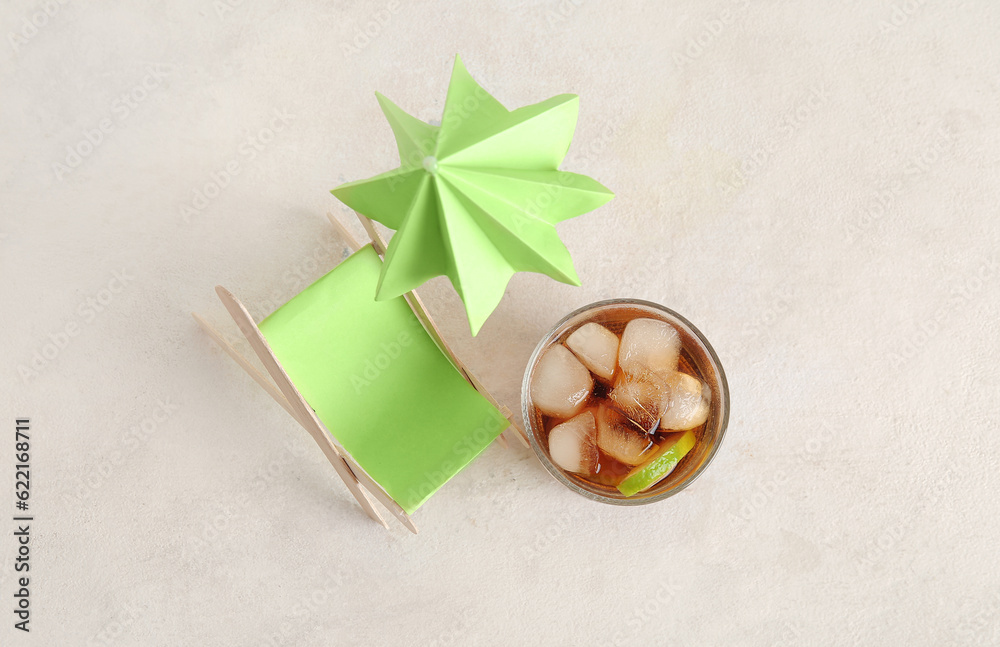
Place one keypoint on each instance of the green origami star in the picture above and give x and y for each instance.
(478, 197)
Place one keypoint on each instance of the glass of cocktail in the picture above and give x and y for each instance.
(625, 402)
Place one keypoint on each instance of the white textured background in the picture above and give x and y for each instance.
(814, 185)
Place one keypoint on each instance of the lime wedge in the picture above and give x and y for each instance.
(658, 467)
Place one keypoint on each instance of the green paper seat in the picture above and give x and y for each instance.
(379, 383)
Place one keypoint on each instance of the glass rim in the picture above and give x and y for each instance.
(528, 414)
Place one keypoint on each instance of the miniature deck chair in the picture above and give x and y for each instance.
(374, 384)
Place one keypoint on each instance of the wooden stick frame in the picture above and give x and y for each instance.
(283, 391)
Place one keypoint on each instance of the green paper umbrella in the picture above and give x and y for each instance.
(478, 197)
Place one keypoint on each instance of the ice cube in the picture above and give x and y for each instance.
(619, 438)
(572, 444)
(560, 384)
(649, 345)
(641, 398)
(597, 348)
(688, 404)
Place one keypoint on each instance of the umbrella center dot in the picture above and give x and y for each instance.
(431, 164)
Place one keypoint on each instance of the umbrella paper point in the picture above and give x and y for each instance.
(571, 278)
